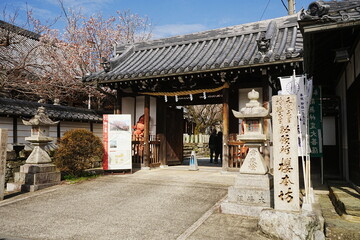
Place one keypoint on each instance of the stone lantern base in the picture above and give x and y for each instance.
(249, 195)
(33, 177)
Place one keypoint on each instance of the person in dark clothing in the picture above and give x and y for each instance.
(212, 144)
(218, 147)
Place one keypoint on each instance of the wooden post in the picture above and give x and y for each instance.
(162, 150)
(225, 159)
(15, 130)
(161, 129)
(146, 132)
(118, 103)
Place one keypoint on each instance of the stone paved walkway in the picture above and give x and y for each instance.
(172, 203)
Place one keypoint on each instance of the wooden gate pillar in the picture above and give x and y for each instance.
(225, 159)
(146, 132)
(118, 102)
(161, 113)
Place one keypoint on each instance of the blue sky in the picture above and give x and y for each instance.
(168, 17)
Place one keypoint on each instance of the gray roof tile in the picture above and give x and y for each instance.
(332, 11)
(230, 47)
(27, 109)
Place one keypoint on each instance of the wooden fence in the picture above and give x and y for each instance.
(138, 151)
(235, 157)
(198, 138)
(235, 147)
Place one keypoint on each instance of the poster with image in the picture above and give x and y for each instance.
(117, 141)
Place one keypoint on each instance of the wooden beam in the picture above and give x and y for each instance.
(146, 132)
(330, 26)
(225, 159)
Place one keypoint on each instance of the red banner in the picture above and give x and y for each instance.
(106, 140)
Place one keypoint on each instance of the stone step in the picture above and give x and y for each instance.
(243, 209)
(345, 199)
(336, 227)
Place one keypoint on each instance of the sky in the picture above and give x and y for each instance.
(168, 17)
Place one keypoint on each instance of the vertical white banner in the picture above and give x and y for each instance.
(302, 88)
(118, 144)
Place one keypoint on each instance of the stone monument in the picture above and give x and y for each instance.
(3, 144)
(252, 190)
(286, 167)
(287, 220)
(38, 172)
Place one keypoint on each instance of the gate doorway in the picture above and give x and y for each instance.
(332, 138)
(200, 122)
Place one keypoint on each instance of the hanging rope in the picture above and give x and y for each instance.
(182, 93)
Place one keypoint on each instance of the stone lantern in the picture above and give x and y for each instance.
(252, 190)
(38, 172)
(39, 138)
(252, 116)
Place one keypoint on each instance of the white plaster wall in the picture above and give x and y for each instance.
(66, 126)
(22, 132)
(53, 131)
(139, 110)
(7, 123)
(135, 107)
(25, 131)
(152, 116)
(128, 107)
(98, 130)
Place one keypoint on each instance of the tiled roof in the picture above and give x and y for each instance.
(17, 44)
(214, 50)
(332, 11)
(19, 30)
(27, 109)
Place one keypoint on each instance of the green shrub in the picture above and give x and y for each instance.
(78, 148)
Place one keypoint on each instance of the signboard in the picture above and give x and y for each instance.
(286, 167)
(315, 124)
(117, 141)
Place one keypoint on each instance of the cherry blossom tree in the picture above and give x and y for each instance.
(50, 64)
(204, 116)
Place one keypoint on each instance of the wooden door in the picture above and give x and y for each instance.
(174, 136)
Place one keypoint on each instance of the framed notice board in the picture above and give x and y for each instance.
(117, 142)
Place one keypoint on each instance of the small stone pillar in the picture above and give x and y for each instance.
(38, 172)
(252, 190)
(3, 144)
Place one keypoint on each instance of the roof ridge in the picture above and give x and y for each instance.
(19, 30)
(207, 35)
